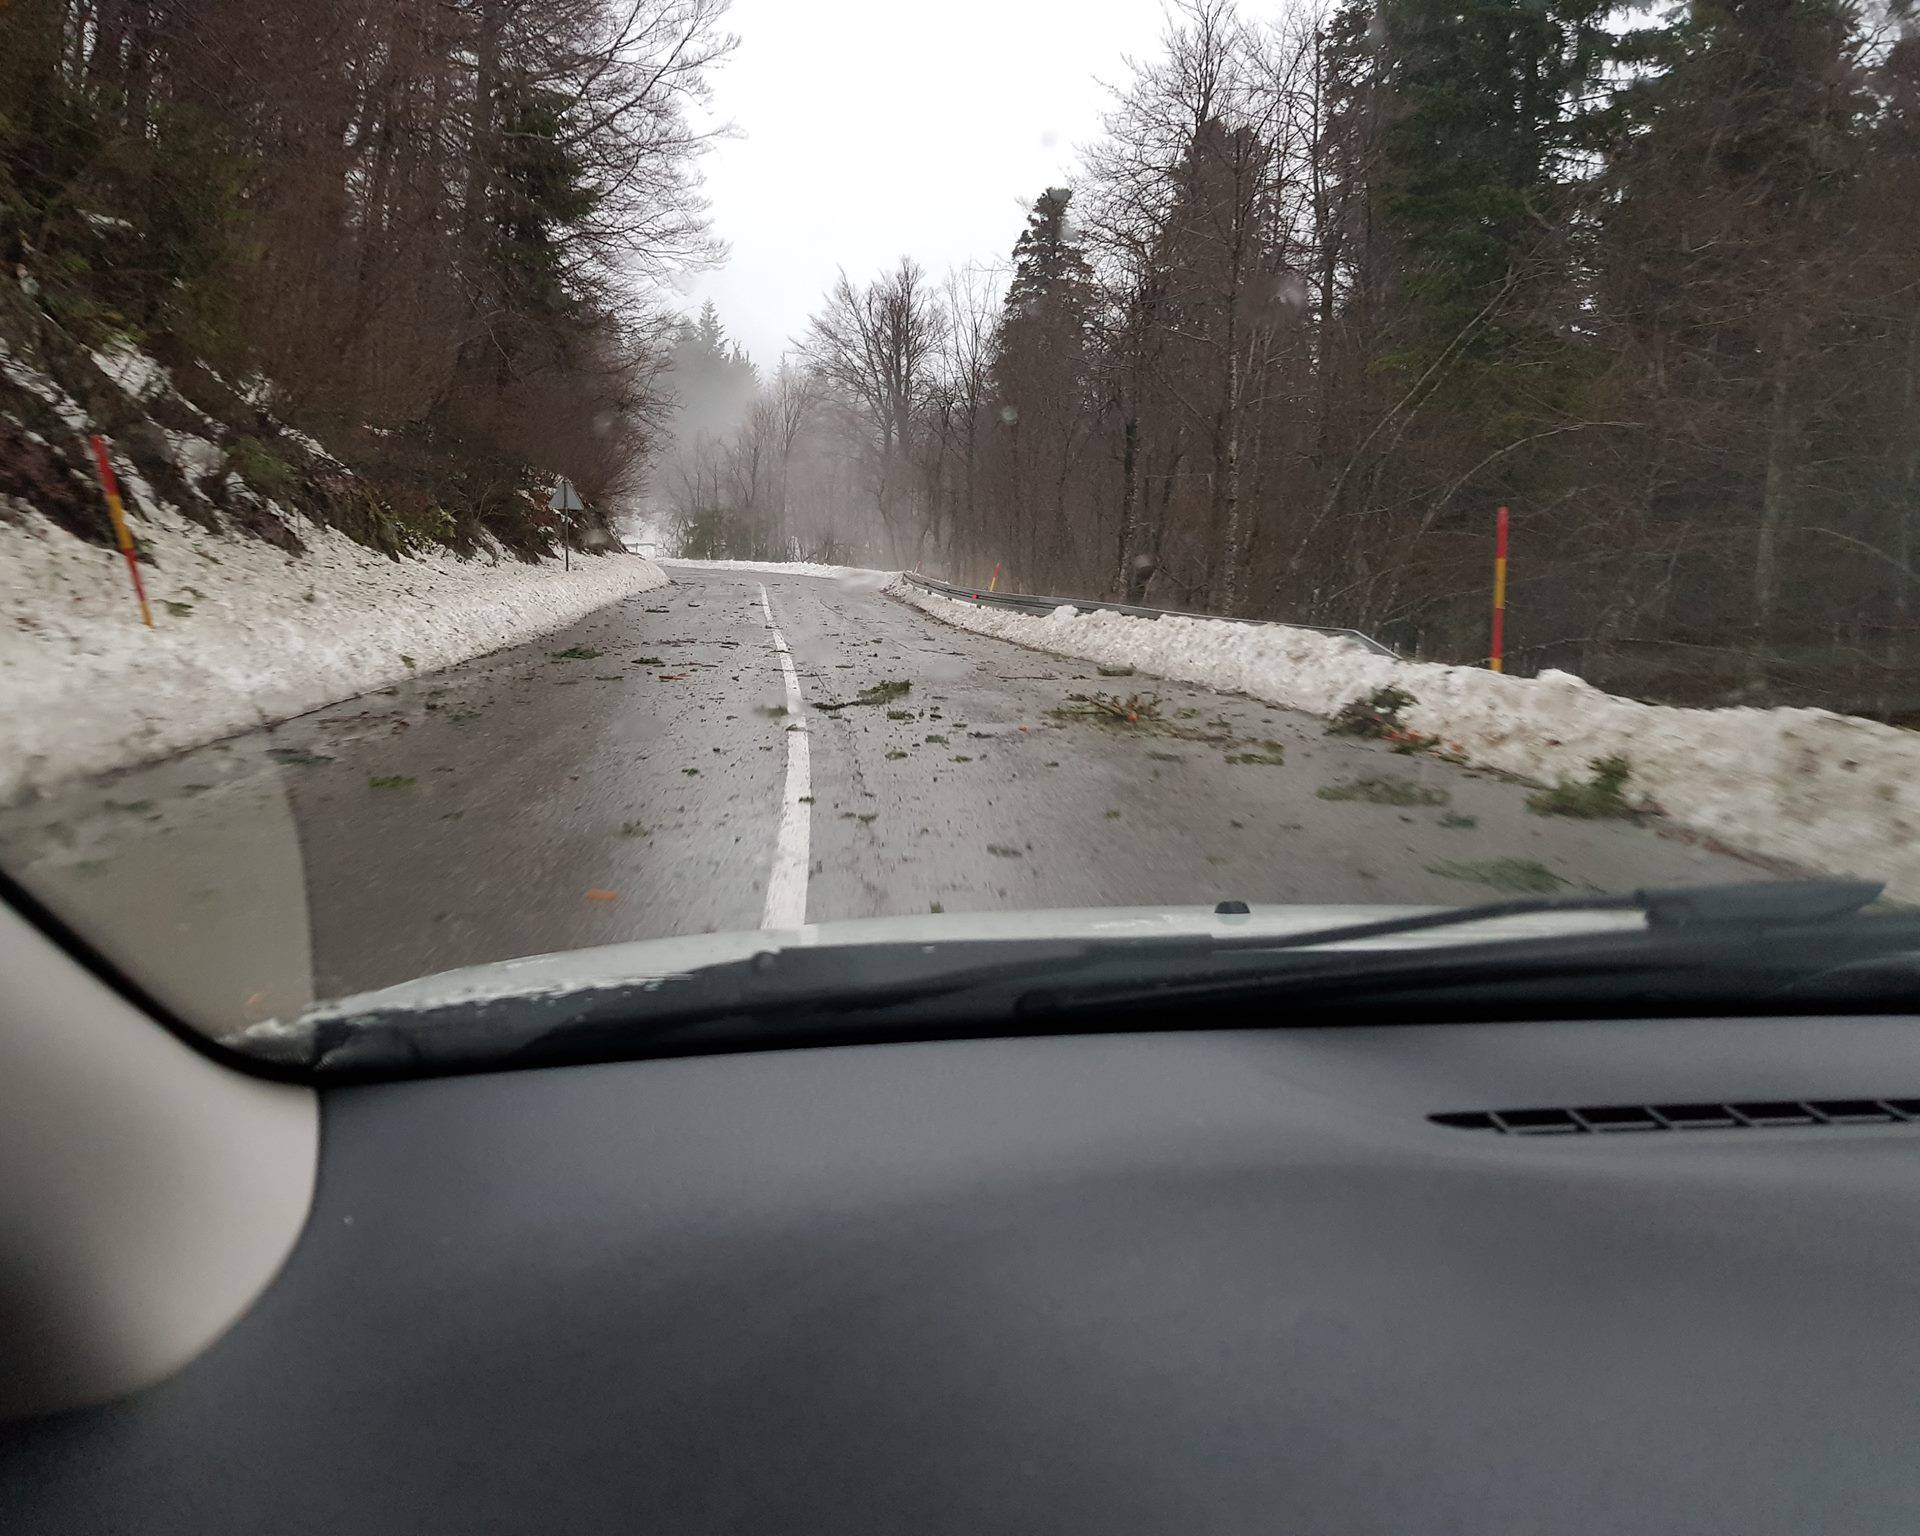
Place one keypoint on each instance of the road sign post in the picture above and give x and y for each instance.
(563, 501)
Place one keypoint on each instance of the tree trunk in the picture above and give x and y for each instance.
(1224, 487)
(1129, 500)
(105, 63)
(138, 78)
(1906, 511)
(479, 182)
(480, 136)
(1230, 505)
(374, 218)
(971, 511)
(1783, 430)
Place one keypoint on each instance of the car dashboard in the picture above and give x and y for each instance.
(1300, 1279)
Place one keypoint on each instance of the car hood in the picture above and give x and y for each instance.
(555, 975)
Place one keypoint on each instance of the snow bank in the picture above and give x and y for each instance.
(245, 634)
(788, 568)
(1826, 791)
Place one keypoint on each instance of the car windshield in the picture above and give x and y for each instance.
(642, 483)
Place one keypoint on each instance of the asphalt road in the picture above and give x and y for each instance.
(628, 778)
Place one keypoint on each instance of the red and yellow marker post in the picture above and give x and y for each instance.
(119, 515)
(1496, 661)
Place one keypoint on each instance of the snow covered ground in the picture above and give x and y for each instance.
(1825, 791)
(851, 573)
(244, 633)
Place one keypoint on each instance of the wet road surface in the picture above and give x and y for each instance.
(627, 778)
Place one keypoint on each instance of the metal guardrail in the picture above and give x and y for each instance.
(1023, 602)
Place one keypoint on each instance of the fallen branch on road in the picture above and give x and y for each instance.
(879, 693)
(1128, 711)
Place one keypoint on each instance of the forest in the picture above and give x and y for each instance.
(1332, 286)
(429, 232)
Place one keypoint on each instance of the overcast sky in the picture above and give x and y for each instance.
(873, 128)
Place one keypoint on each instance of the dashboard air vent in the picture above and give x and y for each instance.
(1766, 1114)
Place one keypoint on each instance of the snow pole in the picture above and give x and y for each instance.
(995, 582)
(1496, 661)
(119, 515)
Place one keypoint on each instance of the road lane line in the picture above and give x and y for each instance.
(787, 884)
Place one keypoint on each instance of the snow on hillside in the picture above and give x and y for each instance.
(245, 634)
(1826, 791)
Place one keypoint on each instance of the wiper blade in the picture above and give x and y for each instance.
(901, 990)
(795, 994)
(1742, 944)
(1756, 903)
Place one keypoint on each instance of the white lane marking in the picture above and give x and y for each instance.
(787, 884)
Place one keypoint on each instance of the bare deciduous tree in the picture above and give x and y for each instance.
(876, 345)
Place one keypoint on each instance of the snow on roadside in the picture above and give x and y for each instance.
(244, 633)
(1826, 791)
(848, 573)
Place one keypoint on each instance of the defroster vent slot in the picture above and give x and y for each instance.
(1735, 1115)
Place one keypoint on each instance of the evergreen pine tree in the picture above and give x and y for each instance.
(1497, 100)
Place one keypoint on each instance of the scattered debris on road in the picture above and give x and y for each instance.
(1132, 710)
(1603, 796)
(878, 693)
(1527, 877)
(1384, 791)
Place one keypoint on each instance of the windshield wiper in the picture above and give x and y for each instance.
(853, 993)
(1756, 903)
(1749, 945)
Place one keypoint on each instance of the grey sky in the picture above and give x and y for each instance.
(873, 128)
